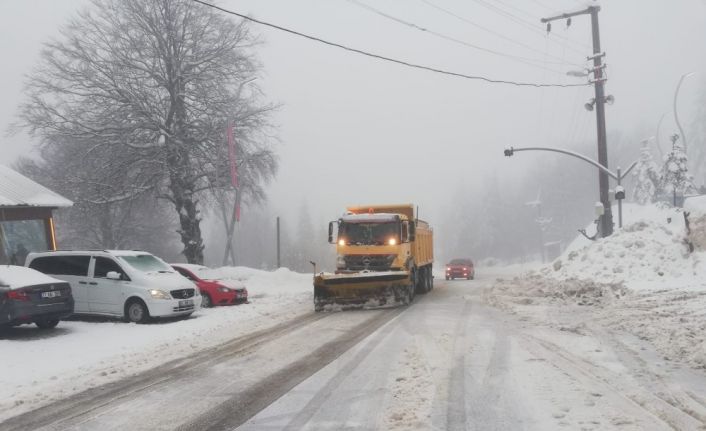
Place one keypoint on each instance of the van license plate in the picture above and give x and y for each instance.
(51, 294)
(186, 302)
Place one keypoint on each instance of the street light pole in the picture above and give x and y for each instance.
(598, 81)
(618, 176)
(676, 116)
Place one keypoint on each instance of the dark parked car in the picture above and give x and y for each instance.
(460, 268)
(28, 296)
(213, 290)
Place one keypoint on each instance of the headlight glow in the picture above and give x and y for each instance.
(392, 241)
(341, 241)
(160, 294)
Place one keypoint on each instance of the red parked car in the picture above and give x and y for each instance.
(460, 268)
(213, 290)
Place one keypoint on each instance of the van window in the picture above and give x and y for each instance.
(62, 265)
(104, 265)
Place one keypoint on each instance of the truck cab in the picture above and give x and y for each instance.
(373, 242)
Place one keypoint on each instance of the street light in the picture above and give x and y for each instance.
(676, 116)
(618, 175)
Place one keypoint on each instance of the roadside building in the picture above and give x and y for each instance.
(26, 216)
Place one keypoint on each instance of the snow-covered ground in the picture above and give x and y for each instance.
(642, 280)
(40, 366)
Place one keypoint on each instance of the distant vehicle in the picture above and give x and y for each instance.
(460, 268)
(28, 296)
(131, 284)
(214, 291)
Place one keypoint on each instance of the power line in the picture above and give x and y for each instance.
(382, 57)
(527, 24)
(542, 5)
(500, 35)
(522, 11)
(525, 60)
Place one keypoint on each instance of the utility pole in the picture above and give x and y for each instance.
(598, 81)
(279, 262)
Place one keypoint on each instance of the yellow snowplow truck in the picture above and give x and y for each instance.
(384, 258)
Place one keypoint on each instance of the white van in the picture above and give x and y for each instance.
(131, 284)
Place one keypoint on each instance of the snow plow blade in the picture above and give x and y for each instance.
(359, 290)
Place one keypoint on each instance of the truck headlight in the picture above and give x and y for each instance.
(160, 294)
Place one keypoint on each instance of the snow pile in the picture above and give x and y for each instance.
(642, 280)
(88, 352)
(260, 284)
(650, 252)
(524, 290)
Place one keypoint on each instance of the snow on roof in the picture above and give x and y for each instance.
(15, 277)
(370, 218)
(18, 190)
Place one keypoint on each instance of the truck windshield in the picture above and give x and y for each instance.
(369, 233)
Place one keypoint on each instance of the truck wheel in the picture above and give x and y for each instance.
(430, 280)
(420, 284)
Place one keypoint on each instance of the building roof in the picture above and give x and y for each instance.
(18, 190)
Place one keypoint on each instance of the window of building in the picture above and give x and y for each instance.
(18, 238)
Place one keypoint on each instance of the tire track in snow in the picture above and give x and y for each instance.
(327, 390)
(245, 404)
(615, 384)
(85, 405)
(456, 398)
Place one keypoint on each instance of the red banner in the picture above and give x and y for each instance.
(232, 156)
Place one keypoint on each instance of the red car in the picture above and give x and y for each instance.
(213, 291)
(460, 268)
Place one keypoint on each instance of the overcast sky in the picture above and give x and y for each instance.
(355, 130)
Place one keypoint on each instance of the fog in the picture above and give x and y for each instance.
(354, 130)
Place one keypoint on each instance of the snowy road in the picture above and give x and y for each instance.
(447, 362)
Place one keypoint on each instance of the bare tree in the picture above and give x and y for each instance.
(150, 85)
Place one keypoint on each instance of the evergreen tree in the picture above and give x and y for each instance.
(676, 179)
(647, 178)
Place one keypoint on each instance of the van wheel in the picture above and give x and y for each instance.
(47, 324)
(136, 311)
(206, 301)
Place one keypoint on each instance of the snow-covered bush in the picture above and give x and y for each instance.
(647, 178)
(675, 179)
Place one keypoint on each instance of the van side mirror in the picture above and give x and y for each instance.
(412, 231)
(330, 232)
(405, 231)
(113, 275)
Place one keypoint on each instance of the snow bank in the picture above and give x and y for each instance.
(93, 351)
(649, 252)
(642, 280)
